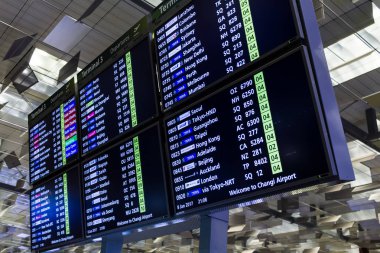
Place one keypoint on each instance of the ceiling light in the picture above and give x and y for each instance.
(313, 250)
(359, 152)
(296, 215)
(22, 235)
(329, 219)
(14, 102)
(158, 240)
(236, 229)
(97, 239)
(46, 68)
(249, 250)
(147, 5)
(375, 197)
(155, 3)
(46, 64)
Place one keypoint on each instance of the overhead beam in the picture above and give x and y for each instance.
(358, 133)
(12, 188)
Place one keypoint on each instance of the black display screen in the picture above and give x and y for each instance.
(53, 136)
(118, 99)
(125, 184)
(250, 139)
(55, 211)
(207, 40)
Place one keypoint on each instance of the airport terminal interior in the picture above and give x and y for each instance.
(336, 218)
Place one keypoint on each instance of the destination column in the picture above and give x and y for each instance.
(180, 52)
(99, 205)
(70, 128)
(93, 102)
(192, 148)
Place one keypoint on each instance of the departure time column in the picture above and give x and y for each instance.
(134, 200)
(122, 96)
(61, 206)
(57, 138)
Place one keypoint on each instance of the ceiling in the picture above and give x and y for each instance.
(341, 218)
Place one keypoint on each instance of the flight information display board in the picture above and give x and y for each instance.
(125, 184)
(255, 137)
(118, 99)
(53, 136)
(55, 212)
(207, 40)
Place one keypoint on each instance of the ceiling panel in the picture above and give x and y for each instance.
(78, 7)
(38, 16)
(366, 84)
(9, 9)
(58, 4)
(118, 21)
(92, 45)
(343, 18)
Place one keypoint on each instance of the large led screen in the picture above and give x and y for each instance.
(256, 137)
(207, 40)
(118, 99)
(56, 212)
(125, 185)
(53, 134)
